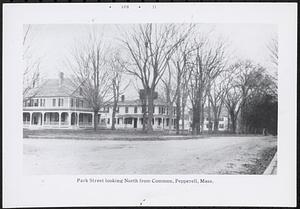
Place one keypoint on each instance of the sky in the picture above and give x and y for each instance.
(53, 43)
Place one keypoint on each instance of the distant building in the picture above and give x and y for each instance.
(58, 103)
(209, 121)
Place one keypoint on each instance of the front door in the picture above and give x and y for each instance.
(135, 123)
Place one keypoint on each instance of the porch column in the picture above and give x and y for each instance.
(30, 117)
(42, 119)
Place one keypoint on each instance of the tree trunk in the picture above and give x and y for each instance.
(178, 100)
(216, 125)
(233, 122)
(202, 118)
(150, 111)
(196, 120)
(113, 122)
(209, 118)
(178, 113)
(182, 117)
(95, 120)
(170, 116)
(216, 121)
(144, 114)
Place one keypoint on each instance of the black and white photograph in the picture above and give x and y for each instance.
(130, 104)
(150, 99)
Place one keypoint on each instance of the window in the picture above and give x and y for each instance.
(135, 109)
(81, 103)
(221, 119)
(108, 120)
(163, 110)
(60, 102)
(36, 102)
(77, 102)
(117, 110)
(80, 91)
(221, 125)
(118, 120)
(126, 109)
(153, 109)
(72, 102)
(42, 102)
(159, 110)
(53, 102)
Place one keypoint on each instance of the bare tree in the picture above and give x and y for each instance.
(215, 96)
(184, 96)
(180, 61)
(88, 63)
(117, 68)
(31, 73)
(231, 99)
(170, 92)
(208, 63)
(272, 47)
(242, 82)
(150, 48)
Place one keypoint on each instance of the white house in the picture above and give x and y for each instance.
(58, 103)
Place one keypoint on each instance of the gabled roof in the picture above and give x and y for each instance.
(51, 87)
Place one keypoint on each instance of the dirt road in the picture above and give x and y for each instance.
(220, 155)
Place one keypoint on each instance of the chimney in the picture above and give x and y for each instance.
(61, 78)
(122, 98)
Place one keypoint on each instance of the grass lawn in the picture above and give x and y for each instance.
(106, 134)
(214, 155)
